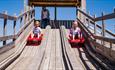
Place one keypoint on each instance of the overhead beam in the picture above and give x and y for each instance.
(57, 4)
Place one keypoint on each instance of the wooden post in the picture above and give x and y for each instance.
(114, 28)
(114, 10)
(88, 20)
(21, 19)
(4, 28)
(55, 17)
(94, 26)
(110, 48)
(25, 1)
(114, 25)
(71, 22)
(76, 12)
(103, 26)
(67, 24)
(14, 28)
(55, 14)
(25, 18)
(33, 12)
(83, 8)
(103, 31)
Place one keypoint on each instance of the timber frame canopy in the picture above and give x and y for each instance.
(57, 3)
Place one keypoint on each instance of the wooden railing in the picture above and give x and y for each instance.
(12, 50)
(24, 20)
(103, 39)
(58, 23)
(94, 20)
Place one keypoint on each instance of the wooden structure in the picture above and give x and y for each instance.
(57, 3)
(100, 37)
(60, 3)
(55, 52)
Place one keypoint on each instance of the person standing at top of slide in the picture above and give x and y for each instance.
(45, 17)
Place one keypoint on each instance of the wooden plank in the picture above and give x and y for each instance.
(26, 60)
(4, 30)
(75, 64)
(22, 14)
(18, 49)
(57, 4)
(25, 26)
(20, 43)
(46, 59)
(59, 59)
(39, 55)
(33, 64)
(4, 38)
(105, 17)
(7, 47)
(5, 16)
(14, 64)
(105, 39)
(14, 30)
(6, 54)
(83, 59)
(54, 1)
(77, 54)
(11, 58)
(86, 14)
(109, 32)
(52, 63)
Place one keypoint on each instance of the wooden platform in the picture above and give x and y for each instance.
(49, 56)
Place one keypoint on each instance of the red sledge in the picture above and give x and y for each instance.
(76, 42)
(34, 40)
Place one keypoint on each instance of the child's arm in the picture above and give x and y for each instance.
(40, 30)
(73, 37)
(32, 34)
(79, 34)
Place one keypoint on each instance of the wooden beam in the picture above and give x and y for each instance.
(105, 39)
(22, 14)
(103, 26)
(2, 16)
(4, 38)
(106, 17)
(88, 16)
(4, 28)
(6, 47)
(97, 25)
(55, 13)
(59, 4)
(53, 1)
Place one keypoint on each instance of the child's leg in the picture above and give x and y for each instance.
(38, 35)
(32, 35)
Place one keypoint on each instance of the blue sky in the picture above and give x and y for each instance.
(94, 6)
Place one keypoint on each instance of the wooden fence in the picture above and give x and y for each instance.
(103, 44)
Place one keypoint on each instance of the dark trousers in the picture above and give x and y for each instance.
(44, 23)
